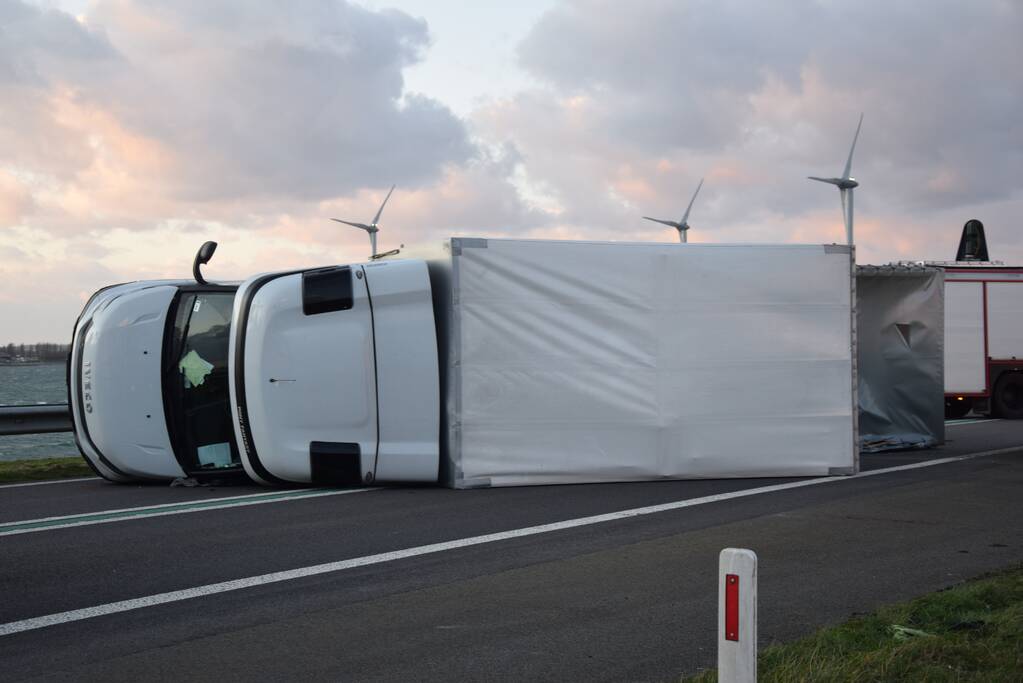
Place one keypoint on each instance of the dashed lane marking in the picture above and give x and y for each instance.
(44, 483)
(107, 516)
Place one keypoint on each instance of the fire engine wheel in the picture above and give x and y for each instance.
(956, 408)
(1008, 398)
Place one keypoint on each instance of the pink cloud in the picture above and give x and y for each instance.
(15, 199)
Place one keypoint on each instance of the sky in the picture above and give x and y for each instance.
(131, 131)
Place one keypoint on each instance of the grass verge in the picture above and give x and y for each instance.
(971, 632)
(40, 469)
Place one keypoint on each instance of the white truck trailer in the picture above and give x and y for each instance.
(502, 362)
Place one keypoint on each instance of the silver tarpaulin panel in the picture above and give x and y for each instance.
(572, 362)
(900, 356)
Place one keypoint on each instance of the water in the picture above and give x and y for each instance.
(30, 385)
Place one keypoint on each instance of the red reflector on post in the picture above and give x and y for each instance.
(732, 607)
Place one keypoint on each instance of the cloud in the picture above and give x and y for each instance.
(40, 49)
(15, 199)
(138, 130)
(141, 129)
(41, 285)
(294, 100)
(183, 105)
(636, 102)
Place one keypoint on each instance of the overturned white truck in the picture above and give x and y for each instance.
(502, 362)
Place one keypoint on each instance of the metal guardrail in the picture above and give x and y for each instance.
(42, 419)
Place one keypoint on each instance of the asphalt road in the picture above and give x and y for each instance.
(404, 596)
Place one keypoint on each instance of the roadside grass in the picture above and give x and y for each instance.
(41, 469)
(971, 632)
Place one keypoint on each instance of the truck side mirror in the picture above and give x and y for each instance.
(202, 256)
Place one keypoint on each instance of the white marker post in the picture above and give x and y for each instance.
(737, 616)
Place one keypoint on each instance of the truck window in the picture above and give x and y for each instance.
(195, 382)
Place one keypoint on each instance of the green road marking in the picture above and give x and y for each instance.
(162, 510)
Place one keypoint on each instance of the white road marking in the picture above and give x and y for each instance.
(28, 526)
(43, 483)
(380, 558)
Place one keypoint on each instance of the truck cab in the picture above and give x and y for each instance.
(319, 376)
(334, 375)
(147, 381)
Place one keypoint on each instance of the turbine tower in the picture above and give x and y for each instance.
(683, 225)
(845, 186)
(372, 228)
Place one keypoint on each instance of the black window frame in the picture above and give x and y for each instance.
(170, 383)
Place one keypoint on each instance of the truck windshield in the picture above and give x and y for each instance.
(195, 382)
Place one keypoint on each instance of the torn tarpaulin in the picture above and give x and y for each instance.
(900, 357)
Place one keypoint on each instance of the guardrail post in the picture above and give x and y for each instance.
(737, 616)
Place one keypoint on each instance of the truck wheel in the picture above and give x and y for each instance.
(955, 409)
(1008, 398)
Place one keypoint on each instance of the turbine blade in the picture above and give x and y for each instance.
(658, 220)
(376, 218)
(829, 181)
(688, 208)
(361, 226)
(682, 237)
(848, 163)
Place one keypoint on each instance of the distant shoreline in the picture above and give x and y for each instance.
(33, 354)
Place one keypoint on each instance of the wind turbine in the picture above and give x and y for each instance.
(683, 225)
(372, 228)
(845, 186)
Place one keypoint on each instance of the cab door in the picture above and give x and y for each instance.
(304, 377)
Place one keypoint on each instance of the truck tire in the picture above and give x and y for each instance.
(955, 409)
(1008, 398)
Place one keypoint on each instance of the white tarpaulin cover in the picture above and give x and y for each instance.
(900, 332)
(576, 362)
